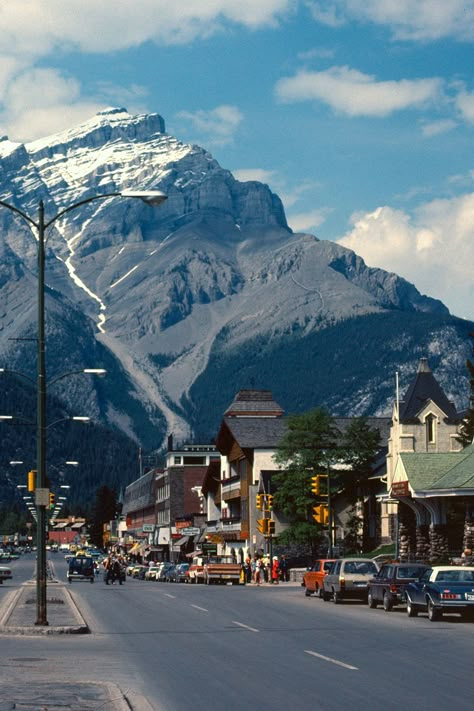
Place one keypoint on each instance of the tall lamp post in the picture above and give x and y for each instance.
(153, 197)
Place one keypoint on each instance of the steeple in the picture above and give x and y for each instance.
(424, 388)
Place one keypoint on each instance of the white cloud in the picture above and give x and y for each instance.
(465, 104)
(217, 125)
(435, 128)
(42, 101)
(433, 248)
(308, 221)
(258, 174)
(414, 20)
(357, 94)
(37, 28)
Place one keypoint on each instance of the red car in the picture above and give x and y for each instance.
(313, 578)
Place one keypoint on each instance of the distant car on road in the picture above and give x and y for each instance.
(348, 578)
(314, 576)
(388, 586)
(5, 573)
(81, 568)
(442, 589)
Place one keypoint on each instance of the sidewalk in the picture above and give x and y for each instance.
(18, 617)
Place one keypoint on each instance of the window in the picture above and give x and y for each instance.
(431, 429)
(177, 460)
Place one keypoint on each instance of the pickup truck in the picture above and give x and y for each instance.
(214, 570)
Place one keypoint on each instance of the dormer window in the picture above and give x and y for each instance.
(430, 429)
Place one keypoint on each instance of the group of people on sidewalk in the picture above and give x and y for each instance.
(260, 569)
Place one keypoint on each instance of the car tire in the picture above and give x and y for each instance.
(371, 601)
(336, 597)
(434, 613)
(307, 592)
(387, 603)
(411, 610)
(326, 596)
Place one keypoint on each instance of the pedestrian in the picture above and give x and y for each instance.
(275, 570)
(248, 570)
(284, 572)
(258, 571)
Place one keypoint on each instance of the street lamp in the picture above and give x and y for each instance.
(153, 197)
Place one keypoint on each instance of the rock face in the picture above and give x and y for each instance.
(211, 292)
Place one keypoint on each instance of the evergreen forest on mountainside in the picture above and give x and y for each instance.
(311, 371)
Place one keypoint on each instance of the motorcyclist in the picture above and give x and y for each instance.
(112, 570)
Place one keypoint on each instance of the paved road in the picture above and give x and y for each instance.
(233, 648)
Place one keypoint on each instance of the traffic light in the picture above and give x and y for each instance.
(32, 480)
(260, 501)
(269, 502)
(316, 484)
(271, 527)
(52, 500)
(262, 525)
(321, 514)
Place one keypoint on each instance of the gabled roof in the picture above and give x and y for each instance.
(424, 388)
(252, 432)
(254, 403)
(440, 470)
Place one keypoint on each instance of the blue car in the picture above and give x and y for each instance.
(442, 589)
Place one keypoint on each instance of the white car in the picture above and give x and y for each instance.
(5, 573)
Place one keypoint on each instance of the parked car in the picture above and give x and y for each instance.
(138, 571)
(313, 578)
(348, 578)
(164, 569)
(151, 572)
(181, 571)
(5, 573)
(169, 574)
(81, 568)
(388, 586)
(442, 589)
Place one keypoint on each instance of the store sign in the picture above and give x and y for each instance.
(190, 531)
(183, 524)
(148, 528)
(400, 488)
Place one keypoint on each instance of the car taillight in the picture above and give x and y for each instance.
(393, 588)
(342, 582)
(448, 595)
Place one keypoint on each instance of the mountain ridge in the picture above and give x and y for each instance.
(165, 292)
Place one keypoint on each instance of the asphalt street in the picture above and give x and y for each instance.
(200, 647)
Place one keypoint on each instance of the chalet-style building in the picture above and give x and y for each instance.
(429, 473)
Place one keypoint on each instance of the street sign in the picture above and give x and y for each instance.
(209, 548)
(42, 497)
(190, 531)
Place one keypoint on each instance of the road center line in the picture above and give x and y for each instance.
(329, 659)
(240, 624)
(200, 608)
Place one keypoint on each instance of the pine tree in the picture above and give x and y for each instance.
(466, 433)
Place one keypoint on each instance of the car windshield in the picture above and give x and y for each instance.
(410, 571)
(455, 576)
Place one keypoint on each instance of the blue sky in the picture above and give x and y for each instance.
(358, 113)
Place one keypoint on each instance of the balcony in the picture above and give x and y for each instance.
(230, 523)
(230, 488)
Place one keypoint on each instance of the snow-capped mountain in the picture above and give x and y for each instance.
(211, 292)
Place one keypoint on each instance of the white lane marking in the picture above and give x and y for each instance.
(168, 595)
(200, 608)
(252, 629)
(329, 659)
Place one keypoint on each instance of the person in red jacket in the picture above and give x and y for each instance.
(275, 571)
